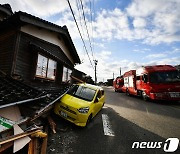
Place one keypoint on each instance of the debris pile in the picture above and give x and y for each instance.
(25, 115)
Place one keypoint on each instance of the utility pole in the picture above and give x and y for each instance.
(95, 62)
(113, 75)
(120, 71)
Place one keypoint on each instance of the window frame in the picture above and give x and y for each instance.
(46, 76)
(67, 75)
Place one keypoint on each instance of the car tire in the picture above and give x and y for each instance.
(89, 119)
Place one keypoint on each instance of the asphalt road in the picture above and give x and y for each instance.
(124, 119)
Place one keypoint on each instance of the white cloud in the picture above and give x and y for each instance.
(169, 61)
(162, 16)
(154, 21)
(102, 65)
(106, 66)
(144, 8)
(42, 8)
(108, 23)
(101, 45)
(158, 55)
(145, 50)
(139, 23)
(173, 51)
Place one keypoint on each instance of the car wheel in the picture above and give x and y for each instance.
(89, 119)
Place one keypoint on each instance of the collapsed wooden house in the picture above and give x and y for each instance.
(36, 60)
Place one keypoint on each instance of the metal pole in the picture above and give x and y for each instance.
(95, 62)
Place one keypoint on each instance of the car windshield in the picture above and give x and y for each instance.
(165, 77)
(82, 92)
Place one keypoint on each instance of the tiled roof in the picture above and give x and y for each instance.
(6, 8)
(13, 92)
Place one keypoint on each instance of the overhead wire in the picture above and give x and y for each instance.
(80, 19)
(80, 13)
(86, 28)
(81, 24)
(91, 15)
(92, 12)
(80, 32)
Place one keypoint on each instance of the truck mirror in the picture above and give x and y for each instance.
(145, 78)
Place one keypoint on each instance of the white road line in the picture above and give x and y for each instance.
(107, 126)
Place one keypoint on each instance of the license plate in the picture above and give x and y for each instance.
(63, 114)
(175, 95)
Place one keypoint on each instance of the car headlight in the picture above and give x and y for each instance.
(83, 110)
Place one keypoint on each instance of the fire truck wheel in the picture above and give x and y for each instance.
(144, 96)
(127, 92)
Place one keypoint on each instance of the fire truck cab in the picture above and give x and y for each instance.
(118, 84)
(159, 82)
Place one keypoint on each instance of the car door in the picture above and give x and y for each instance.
(99, 101)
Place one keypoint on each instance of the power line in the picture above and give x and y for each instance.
(79, 32)
(80, 19)
(91, 5)
(80, 13)
(86, 27)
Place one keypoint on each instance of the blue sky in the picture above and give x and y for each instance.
(123, 33)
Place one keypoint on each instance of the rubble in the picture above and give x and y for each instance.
(31, 106)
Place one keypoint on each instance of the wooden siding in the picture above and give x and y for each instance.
(26, 61)
(7, 45)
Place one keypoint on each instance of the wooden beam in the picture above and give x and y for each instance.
(44, 143)
(6, 146)
(52, 124)
(77, 79)
(33, 146)
(30, 148)
(18, 136)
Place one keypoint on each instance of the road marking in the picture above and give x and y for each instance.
(107, 126)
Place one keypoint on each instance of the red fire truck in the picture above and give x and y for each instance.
(118, 84)
(159, 82)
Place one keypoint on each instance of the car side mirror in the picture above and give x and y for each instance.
(96, 100)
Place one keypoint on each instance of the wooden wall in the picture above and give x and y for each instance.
(26, 60)
(7, 47)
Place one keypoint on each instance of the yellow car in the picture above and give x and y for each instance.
(80, 104)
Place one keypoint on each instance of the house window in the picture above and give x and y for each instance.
(66, 74)
(46, 68)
